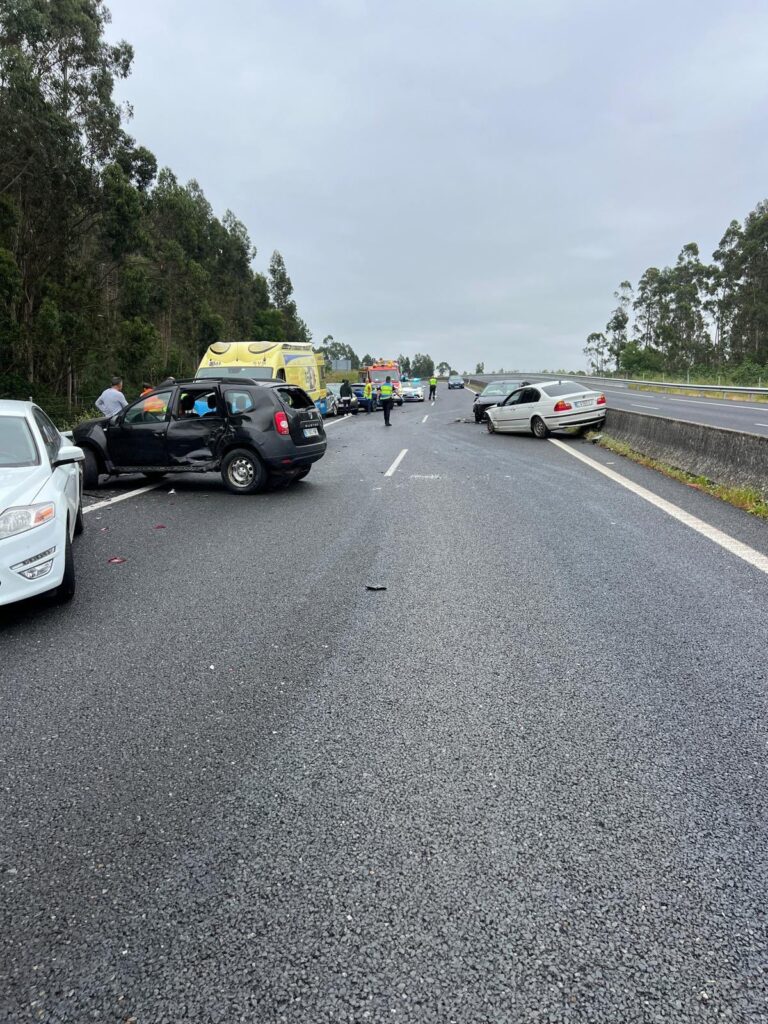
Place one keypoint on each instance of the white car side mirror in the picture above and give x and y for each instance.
(67, 454)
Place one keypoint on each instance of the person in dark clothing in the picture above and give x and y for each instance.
(346, 394)
(387, 400)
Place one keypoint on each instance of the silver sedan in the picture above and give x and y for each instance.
(550, 405)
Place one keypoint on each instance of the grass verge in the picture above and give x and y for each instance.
(748, 498)
(723, 392)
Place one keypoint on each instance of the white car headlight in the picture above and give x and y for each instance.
(25, 517)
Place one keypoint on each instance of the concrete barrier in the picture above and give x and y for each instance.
(724, 456)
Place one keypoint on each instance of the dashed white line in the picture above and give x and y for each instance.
(761, 424)
(339, 420)
(425, 418)
(396, 463)
(724, 540)
(638, 405)
(121, 497)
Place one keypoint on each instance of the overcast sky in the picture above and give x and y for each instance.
(467, 178)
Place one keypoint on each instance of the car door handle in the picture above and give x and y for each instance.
(158, 433)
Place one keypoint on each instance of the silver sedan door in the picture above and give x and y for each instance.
(527, 408)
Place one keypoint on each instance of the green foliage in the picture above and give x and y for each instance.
(10, 280)
(443, 368)
(695, 317)
(480, 368)
(748, 374)
(422, 365)
(106, 265)
(635, 360)
(138, 343)
(331, 350)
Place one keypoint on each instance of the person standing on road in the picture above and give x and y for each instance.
(112, 399)
(346, 395)
(387, 400)
(432, 388)
(368, 396)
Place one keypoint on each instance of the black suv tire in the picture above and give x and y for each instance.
(90, 470)
(243, 472)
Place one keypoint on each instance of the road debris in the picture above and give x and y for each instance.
(375, 586)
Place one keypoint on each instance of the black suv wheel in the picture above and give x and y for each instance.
(243, 472)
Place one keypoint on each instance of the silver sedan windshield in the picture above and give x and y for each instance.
(17, 443)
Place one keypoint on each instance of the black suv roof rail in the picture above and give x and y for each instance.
(225, 379)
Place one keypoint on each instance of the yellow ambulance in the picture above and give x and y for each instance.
(294, 363)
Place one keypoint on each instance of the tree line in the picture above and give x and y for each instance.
(419, 365)
(698, 318)
(107, 264)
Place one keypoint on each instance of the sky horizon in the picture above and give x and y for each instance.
(469, 181)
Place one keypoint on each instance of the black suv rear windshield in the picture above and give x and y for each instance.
(295, 398)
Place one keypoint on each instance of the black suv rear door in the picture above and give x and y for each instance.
(196, 426)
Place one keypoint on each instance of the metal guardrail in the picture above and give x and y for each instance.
(721, 388)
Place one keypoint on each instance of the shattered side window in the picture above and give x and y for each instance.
(239, 402)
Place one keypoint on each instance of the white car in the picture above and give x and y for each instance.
(412, 391)
(547, 406)
(40, 504)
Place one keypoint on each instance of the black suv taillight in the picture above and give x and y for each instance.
(281, 423)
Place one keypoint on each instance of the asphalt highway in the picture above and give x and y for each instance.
(526, 782)
(746, 414)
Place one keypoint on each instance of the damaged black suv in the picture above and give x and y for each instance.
(252, 432)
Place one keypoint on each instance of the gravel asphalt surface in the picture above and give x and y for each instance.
(744, 414)
(524, 783)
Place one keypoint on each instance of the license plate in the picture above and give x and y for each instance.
(311, 432)
(580, 405)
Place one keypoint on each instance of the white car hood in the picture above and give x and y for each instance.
(21, 485)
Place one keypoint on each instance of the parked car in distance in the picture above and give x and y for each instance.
(40, 504)
(548, 406)
(338, 401)
(492, 394)
(455, 382)
(253, 432)
(412, 390)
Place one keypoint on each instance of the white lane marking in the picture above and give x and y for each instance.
(730, 544)
(339, 420)
(637, 405)
(733, 404)
(761, 424)
(425, 418)
(396, 463)
(121, 497)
